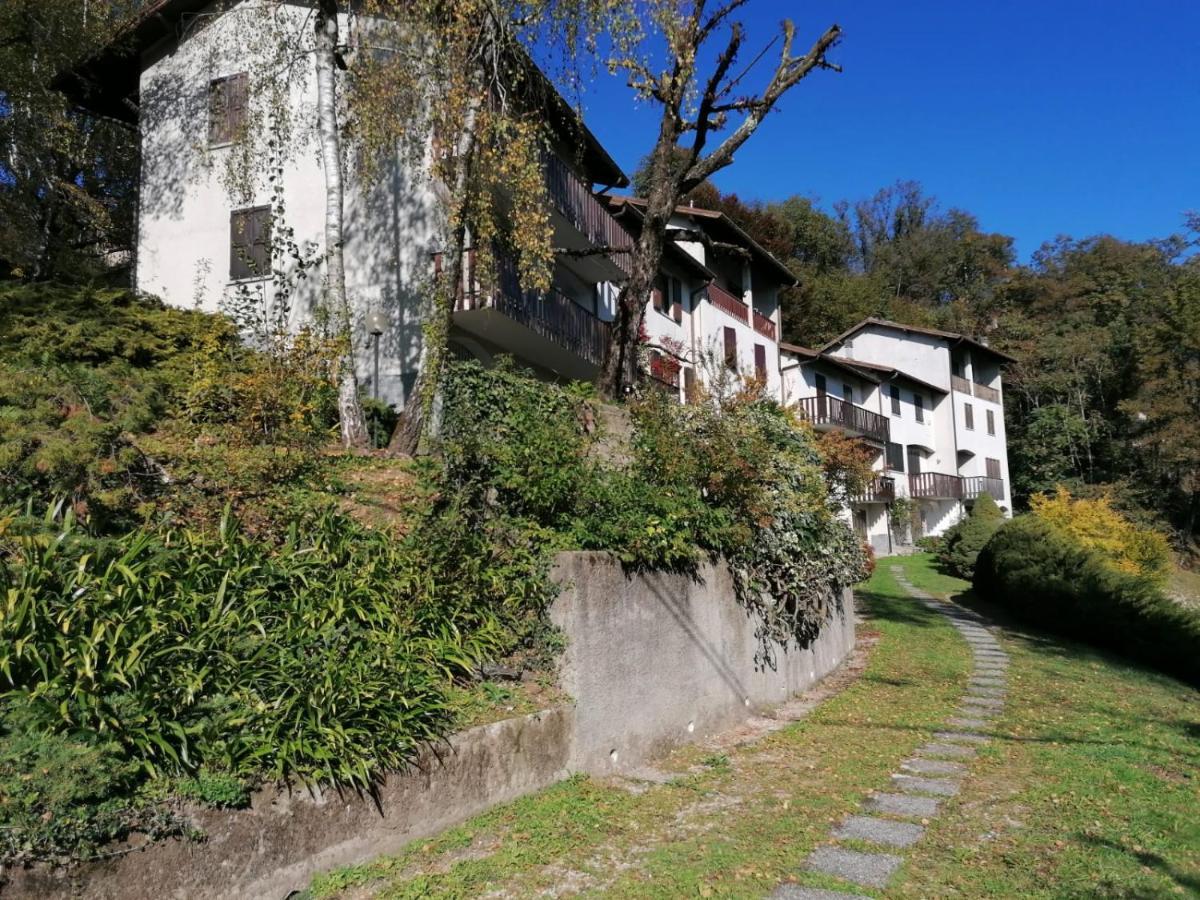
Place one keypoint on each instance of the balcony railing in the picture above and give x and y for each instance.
(935, 486)
(974, 485)
(880, 490)
(579, 205)
(974, 389)
(726, 302)
(550, 314)
(827, 411)
(763, 325)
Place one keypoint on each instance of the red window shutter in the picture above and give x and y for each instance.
(731, 347)
(760, 362)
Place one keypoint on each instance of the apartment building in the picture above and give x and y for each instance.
(928, 402)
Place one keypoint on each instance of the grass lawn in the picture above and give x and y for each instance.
(1093, 791)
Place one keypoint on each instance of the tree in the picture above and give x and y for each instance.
(67, 178)
(686, 31)
(328, 59)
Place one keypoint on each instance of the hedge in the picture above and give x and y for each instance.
(1042, 576)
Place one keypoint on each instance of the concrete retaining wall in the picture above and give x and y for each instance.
(651, 661)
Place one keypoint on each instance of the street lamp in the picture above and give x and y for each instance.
(376, 324)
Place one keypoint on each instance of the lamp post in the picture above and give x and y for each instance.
(376, 323)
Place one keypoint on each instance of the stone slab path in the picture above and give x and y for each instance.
(931, 777)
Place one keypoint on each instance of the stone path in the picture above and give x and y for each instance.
(927, 779)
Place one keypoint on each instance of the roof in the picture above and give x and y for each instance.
(951, 336)
(733, 233)
(889, 373)
(106, 81)
(809, 355)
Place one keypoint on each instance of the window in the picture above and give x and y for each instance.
(895, 457)
(689, 384)
(819, 380)
(658, 296)
(848, 392)
(731, 348)
(676, 299)
(969, 416)
(993, 469)
(919, 405)
(250, 243)
(895, 392)
(760, 362)
(991, 422)
(226, 109)
(914, 460)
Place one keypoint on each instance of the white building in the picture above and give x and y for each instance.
(716, 307)
(930, 402)
(183, 74)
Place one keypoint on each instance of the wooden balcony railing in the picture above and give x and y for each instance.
(824, 410)
(935, 486)
(880, 490)
(726, 302)
(579, 205)
(974, 389)
(550, 314)
(974, 485)
(763, 325)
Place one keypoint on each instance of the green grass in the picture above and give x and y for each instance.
(1090, 791)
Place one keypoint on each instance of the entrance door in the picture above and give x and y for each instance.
(822, 404)
(914, 461)
(860, 523)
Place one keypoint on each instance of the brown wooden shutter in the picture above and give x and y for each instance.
(991, 422)
(969, 416)
(731, 347)
(676, 300)
(227, 109)
(689, 384)
(760, 362)
(993, 468)
(250, 243)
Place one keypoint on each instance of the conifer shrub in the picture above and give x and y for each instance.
(1043, 574)
(962, 542)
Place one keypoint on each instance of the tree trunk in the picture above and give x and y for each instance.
(350, 414)
(419, 408)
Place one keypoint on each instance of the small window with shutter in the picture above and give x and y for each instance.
(919, 407)
(731, 361)
(991, 422)
(760, 362)
(895, 457)
(968, 416)
(250, 243)
(895, 392)
(993, 468)
(676, 300)
(227, 103)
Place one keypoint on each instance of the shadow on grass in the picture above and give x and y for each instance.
(1188, 882)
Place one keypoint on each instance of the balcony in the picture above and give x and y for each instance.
(825, 412)
(587, 215)
(728, 303)
(935, 486)
(549, 315)
(763, 325)
(974, 485)
(974, 389)
(880, 490)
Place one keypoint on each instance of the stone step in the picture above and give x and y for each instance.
(799, 892)
(960, 737)
(866, 869)
(938, 748)
(959, 722)
(915, 784)
(933, 767)
(903, 805)
(879, 831)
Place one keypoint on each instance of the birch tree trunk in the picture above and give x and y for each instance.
(350, 414)
(419, 409)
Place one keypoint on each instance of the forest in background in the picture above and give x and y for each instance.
(1105, 398)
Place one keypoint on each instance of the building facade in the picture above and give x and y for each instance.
(929, 403)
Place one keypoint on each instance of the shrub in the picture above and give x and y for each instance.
(1095, 525)
(930, 544)
(1044, 575)
(963, 541)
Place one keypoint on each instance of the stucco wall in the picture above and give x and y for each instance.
(651, 661)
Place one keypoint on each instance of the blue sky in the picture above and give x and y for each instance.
(1041, 118)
